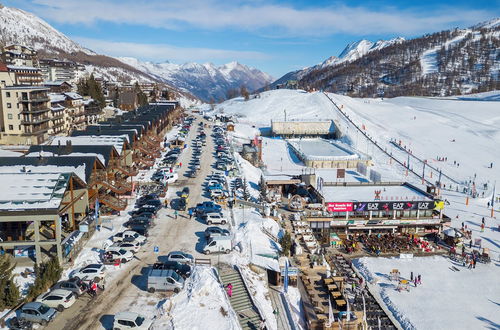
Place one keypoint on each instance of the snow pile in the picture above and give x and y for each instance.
(295, 302)
(446, 299)
(202, 299)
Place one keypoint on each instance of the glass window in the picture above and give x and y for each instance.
(11, 127)
(9, 116)
(7, 94)
(9, 105)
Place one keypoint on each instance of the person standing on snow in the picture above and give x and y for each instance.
(419, 279)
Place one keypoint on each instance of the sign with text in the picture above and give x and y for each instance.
(339, 207)
(390, 206)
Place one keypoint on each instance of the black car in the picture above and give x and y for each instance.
(138, 222)
(140, 229)
(183, 270)
(153, 202)
(216, 231)
(143, 216)
(181, 205)
(144, 209)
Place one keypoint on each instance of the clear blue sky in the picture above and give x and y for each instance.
(274, 36)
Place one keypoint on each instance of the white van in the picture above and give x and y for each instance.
(221, 244)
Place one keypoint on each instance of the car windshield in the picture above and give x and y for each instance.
(122, 251)
(43, 309)
(139, 320)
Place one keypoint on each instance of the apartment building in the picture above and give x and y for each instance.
(58, 70)
(18, 55)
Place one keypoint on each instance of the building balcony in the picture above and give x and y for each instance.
(34, 99)
(34, 109)
(35, 120)
(36, 129)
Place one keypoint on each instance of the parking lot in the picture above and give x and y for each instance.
(167, 234)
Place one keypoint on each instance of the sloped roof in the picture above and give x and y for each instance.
(103, 152)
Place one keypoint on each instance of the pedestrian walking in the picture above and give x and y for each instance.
(411, 276)
(470, 243)
(229, 289)
(419, 279)
(166, 203)
(190, 213)
(482, 227)
(175, 214)
(415, 281)
(470, 264)
(474, 263)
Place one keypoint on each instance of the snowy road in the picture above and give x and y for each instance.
(127, 291)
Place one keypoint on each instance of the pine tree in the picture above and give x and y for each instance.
(9, 293)
(246, 193)
(263, 189)
(47, 274)
(286, 243)
(244, 92)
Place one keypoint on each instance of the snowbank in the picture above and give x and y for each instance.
(201, 305)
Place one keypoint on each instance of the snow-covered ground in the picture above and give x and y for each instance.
(465, 130)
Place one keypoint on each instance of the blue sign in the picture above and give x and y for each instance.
(156, 249)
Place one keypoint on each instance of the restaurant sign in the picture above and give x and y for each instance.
(339, 207)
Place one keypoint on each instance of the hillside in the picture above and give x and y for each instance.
(201, 80)
(206, 81)
(450, 62)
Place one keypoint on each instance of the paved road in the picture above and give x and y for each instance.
(168, 234)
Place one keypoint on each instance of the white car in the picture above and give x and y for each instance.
(129, 234)
(216, 193)
(211, 218)
(120, 253)
(90, 272)
(132, 246)
(58, 299)
(129, 320)
(171, 177)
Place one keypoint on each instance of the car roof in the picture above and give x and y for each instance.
(33, 305)
(58, 292)
(93, 266)
(127, 316)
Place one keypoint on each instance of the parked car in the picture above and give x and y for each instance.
(141, 229)
(144, 209)
(129, 234)
(132, 246)
(119, 253)
(171, 177)
(36, 312)
(207, 207)
(164, 280)
(16, 323)
(59, 299)
(217, 218)
(221, 244)
(182, 204)
(180, 256)
(90, 272)
(129, 320)
(134, 222)
(183, 270)
(216, 232)
(146, 217)
(74, 285)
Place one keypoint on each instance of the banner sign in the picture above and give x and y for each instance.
(390, 206)
(339, 207)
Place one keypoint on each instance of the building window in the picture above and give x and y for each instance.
(11, 127)
(7, 94)
(9, 105)
(9, 116)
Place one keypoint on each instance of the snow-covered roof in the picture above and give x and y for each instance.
(88, 101)
(55, 83)
(74, 96)
(366, 193)
(15, 67)
(57, 107)
(8, 153)
(115, 140)
(55, 97)
(15, 169)
(32, 190)
(320, 149)
(73, 154)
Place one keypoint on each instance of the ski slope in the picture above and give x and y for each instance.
(465, 130)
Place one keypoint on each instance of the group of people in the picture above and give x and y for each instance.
(417, 280)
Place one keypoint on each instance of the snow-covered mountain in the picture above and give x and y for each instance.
(205, 81)
(351, 52)
(20, 27)
(444, 63)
